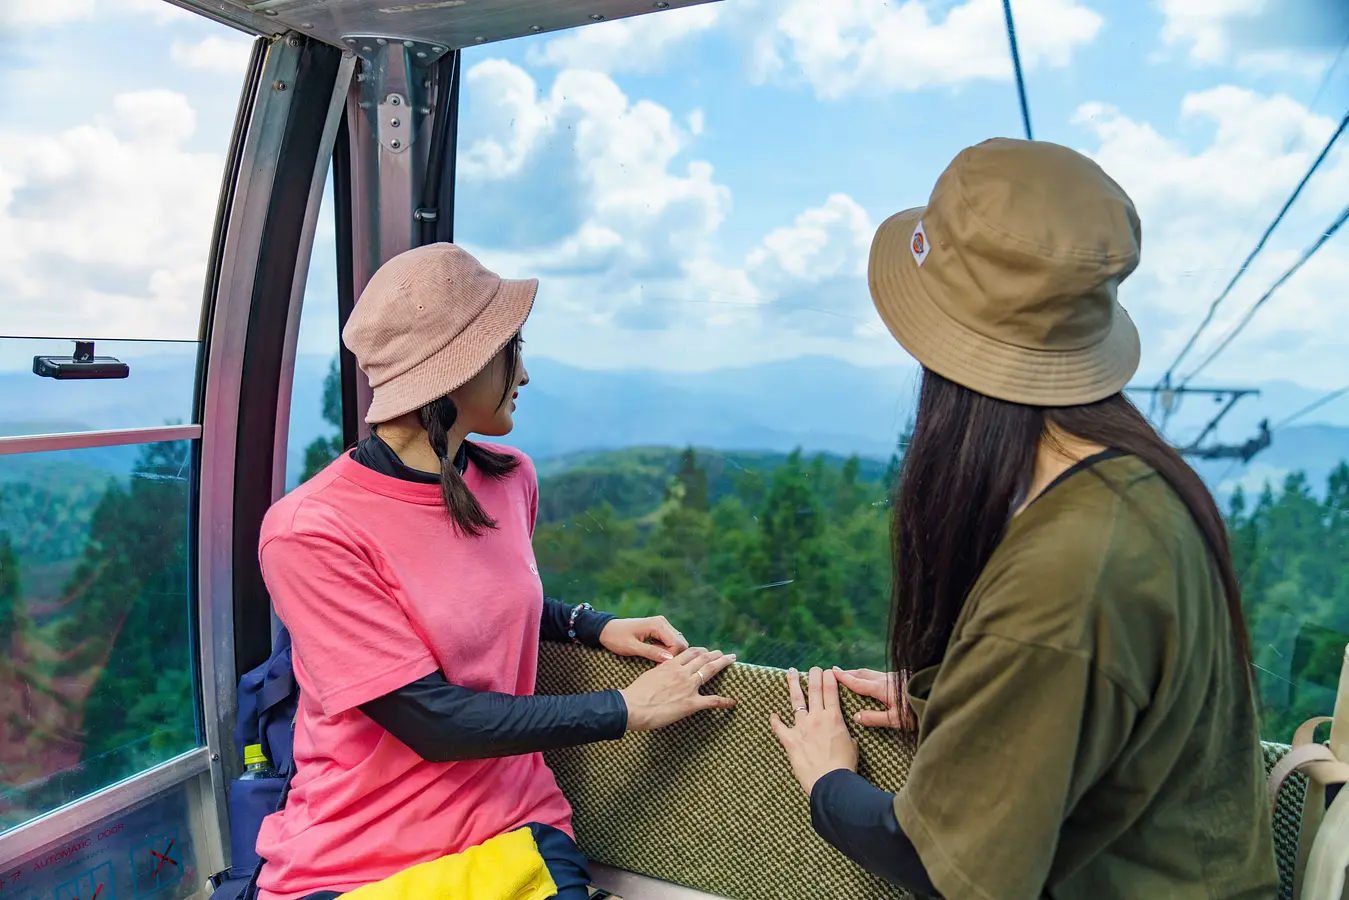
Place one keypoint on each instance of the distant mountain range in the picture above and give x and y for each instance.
(817, 404)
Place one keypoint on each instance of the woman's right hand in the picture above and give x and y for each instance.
(882, 686)
(670, 691)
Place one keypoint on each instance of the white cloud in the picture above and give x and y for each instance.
(633, 209)
(105, 226)
(15, 14)
(1259, 147)
(637, 44)
(825, 241)
(631, 257)
(816, 266)
(1297, 37)
(216, 54)
(44, 13)
(1203, 210)
(1202, 25)
(844, 46)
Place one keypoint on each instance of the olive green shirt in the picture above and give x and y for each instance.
(1090, 733)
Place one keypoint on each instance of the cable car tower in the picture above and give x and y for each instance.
(1170, 398)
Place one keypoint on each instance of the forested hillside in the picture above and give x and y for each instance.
(782, 558)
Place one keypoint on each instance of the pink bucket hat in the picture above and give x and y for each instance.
(429, 320)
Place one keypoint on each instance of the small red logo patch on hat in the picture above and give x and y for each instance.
(920, 245)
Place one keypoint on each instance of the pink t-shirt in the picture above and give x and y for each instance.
(377, 591)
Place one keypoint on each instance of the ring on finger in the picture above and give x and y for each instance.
(701, 679)
(802, 709)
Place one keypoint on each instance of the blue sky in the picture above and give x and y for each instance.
(697, 188)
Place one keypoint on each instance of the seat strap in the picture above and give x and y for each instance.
(1324, 878)
(1315, 829)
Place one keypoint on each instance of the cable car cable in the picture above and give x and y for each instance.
(1313, 406)
(1241, 270)
(1316, 98)
(1016, 67)
(1250, 313)
(1311, 108)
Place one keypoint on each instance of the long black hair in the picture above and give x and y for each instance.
(438, 417)
(966, 469)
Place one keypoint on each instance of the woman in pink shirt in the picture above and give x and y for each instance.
(405, 575)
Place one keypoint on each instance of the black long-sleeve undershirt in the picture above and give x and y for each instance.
(858, 819)
(444, 722)
(557, 617)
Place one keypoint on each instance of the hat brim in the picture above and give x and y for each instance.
(1029, 376)
(463, 358)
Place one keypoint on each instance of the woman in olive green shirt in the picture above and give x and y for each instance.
(1063, 588)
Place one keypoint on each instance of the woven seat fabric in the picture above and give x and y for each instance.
(710, 802)
(1287, 819)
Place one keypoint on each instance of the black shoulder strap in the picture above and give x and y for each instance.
(273, 692)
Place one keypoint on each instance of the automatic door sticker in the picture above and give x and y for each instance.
(94, 884)
(919, 245)
(157, 862)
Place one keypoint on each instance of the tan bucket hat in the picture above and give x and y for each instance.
(429, 320)
(1005, 282)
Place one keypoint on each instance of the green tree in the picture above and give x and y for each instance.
(1290, 552)
(323, 450)
(798, 600)
(693, 479)
(135, 577)
(9, 592)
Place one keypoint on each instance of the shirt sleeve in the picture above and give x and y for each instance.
(443, 722)
(858, 819)
(354, 639)
(557, 616)
(1009, 733)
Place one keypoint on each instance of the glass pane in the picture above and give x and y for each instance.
(153, 849)
(697, 191)
(714, 407)
(159, 389)
(315, 434)
(111, 154)
(95, 621)
(1290, 540)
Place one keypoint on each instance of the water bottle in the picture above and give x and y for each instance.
(256, 764)
(252, 797)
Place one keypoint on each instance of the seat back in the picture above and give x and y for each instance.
(711, 804)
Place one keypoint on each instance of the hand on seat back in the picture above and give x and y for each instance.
(653, 638)
(818, 741)
(671, 691)
(882, 686)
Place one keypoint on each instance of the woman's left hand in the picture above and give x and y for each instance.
(653, 638)
(818, 742)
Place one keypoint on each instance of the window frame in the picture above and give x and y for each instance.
(288, 125)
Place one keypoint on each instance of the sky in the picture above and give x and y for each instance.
(698, 188)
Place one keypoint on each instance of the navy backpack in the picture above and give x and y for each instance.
(268, 701)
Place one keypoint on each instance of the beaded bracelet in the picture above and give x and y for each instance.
(571, 624)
